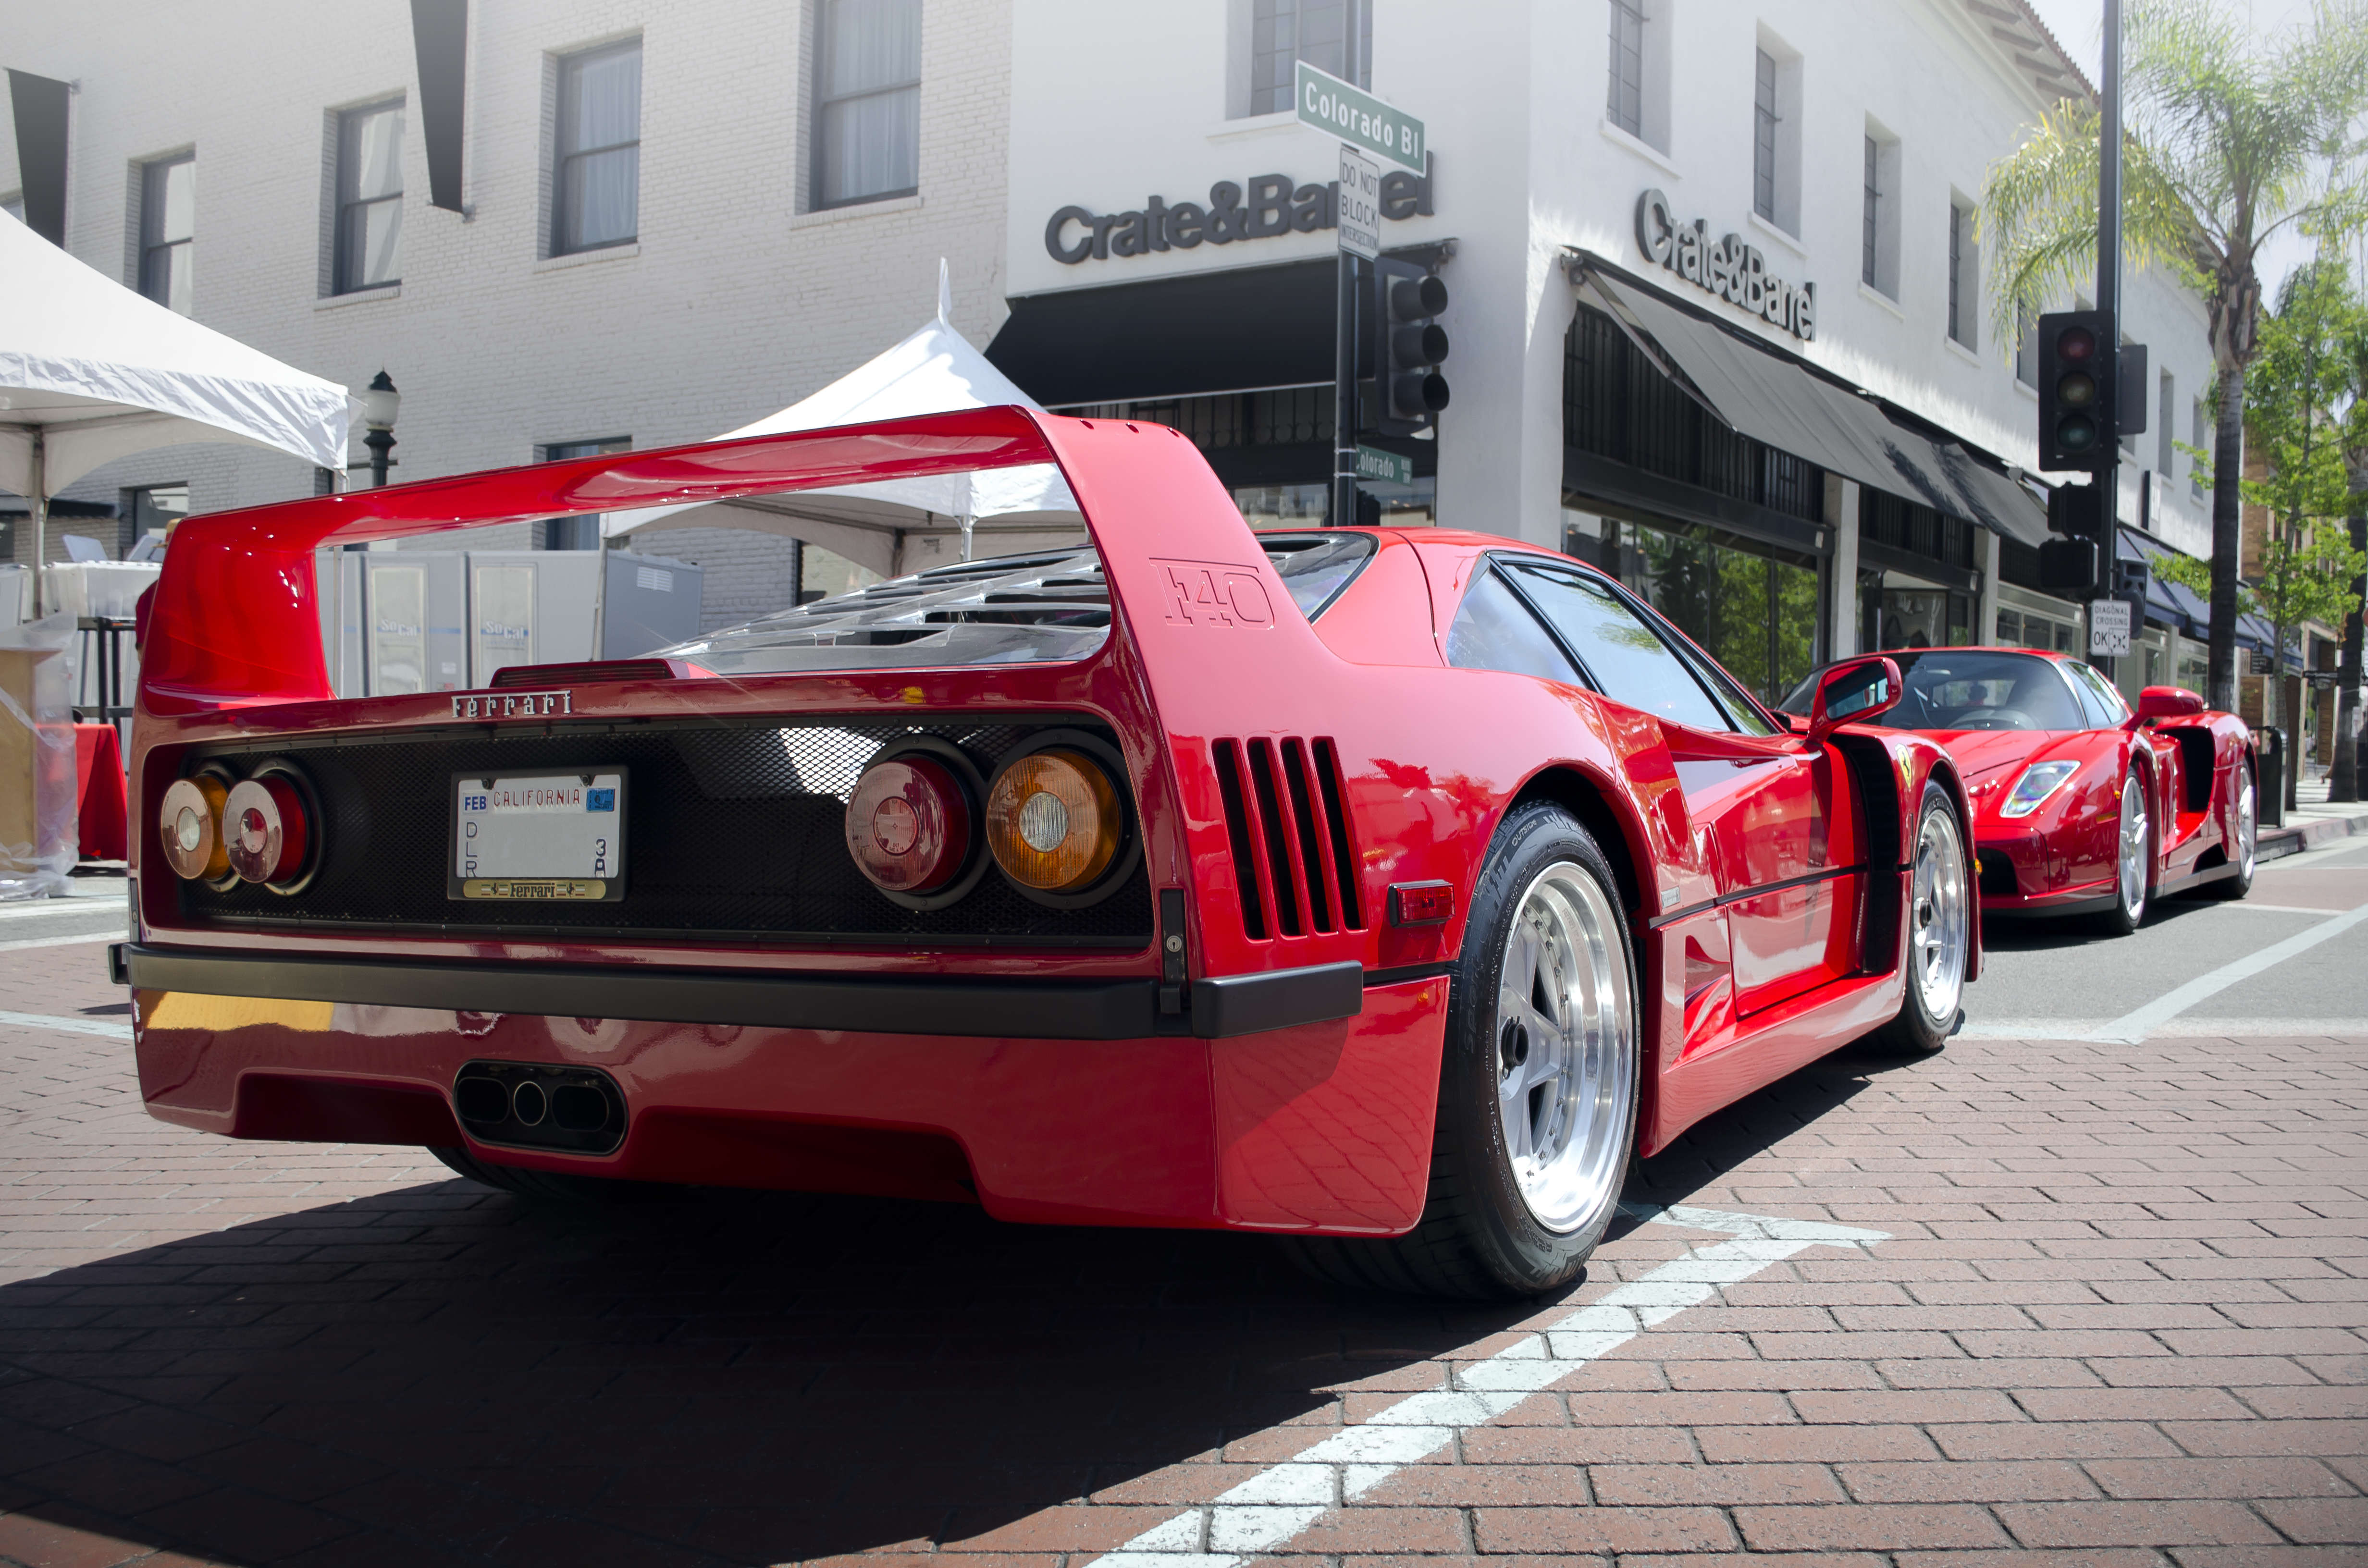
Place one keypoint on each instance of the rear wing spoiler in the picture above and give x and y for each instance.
(236, 621)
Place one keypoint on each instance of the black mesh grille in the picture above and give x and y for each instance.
(729, 831)
(1996, 870)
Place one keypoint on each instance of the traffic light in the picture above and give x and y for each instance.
(2072, 511)
(1408, 345)
(2068, 563)
(2078, 363)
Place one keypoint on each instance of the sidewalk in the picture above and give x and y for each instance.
(2313, 821)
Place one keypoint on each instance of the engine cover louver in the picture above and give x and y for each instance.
(1288, 828)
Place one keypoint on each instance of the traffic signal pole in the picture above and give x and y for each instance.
(1344, 398)
(2108, 303)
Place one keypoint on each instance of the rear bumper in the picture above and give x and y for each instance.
(1322, 1125)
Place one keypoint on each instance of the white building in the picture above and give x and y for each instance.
(675, 216)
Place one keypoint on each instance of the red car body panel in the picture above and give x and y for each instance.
(1765, 884)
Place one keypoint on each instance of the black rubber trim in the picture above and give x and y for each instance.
(1722, 900)
(2097, 906)
(1251, 1004)
(1404, 972)
(1046, 1009)
(1103, 1009)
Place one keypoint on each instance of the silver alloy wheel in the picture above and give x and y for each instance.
(1565, 1054)
(1938, 932)
(2249, 829)
(2134, 847)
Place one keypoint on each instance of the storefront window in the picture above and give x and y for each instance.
(1925, 617)
(1753, 609)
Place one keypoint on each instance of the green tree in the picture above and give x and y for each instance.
(2296, 402)
(2225, 143)
(2345, 784)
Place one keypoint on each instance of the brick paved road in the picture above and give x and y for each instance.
(2119, 1320)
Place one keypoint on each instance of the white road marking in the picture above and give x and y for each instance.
(2278, 908)
(109, 936)
(2188, 1026)
(105, 1028)
(2133, 1026)
(1284, 1499)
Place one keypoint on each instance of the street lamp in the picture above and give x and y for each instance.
(380, 402)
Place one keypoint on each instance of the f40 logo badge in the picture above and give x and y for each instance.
(1210, 593)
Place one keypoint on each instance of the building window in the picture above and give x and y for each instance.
(1333, 36)
(1763, 137)
(1965, 274)
(1625, 106)
(1871, 213)
(596, 184)
(579, 532)
(168, 211)
(867, 101)
(2166, 457)
(2198, 429)
(370, 197)
(2026, 347)
(151, 508)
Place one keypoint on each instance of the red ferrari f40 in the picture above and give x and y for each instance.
(1386, 890)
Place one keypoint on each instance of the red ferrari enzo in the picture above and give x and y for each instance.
(2081, 807)
(1383, 890)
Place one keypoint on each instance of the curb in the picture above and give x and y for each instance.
(2277, 843)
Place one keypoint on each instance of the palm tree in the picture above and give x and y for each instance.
(2225, 143)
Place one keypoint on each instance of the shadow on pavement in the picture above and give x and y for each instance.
(2020, 934)
(444, 1375)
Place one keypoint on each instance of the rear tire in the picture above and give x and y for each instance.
(2248, 843)
(548, 1186)
(1538, 1083)
(2132, 860)
(1939, 930)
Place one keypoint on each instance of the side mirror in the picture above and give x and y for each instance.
(1854, 693)
(2168, 702)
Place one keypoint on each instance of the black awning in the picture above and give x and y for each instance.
(1231, 331)
(1781, 403)
(41, 114)
(439, 38)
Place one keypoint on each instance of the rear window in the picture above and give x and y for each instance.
(1050, 607)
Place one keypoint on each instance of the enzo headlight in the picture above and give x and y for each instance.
(2039, 780)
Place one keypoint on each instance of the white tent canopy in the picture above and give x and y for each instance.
(91, 372)
(935, 370)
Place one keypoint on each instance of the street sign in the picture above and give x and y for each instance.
(1361, 204)
(2109, 627)
(1388, 467)
(1357, 117)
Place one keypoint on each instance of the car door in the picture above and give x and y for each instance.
(1766, 801)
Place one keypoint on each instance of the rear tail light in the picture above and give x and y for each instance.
(191, 823)
(1053, 820)
(268, 829)
(908, 825)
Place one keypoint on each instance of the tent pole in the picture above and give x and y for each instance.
(600, 594)
(41, 500)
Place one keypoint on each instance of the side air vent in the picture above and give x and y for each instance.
(1289, 833)
(588, 674)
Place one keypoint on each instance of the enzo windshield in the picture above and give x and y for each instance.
(1048, 607)
(1971, 689)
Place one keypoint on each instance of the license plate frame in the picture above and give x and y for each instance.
(507, 884)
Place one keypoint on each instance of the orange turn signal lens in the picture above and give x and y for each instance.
(1053, 820)
(908, 824)
(191, 824)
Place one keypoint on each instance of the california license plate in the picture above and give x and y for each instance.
(543, 837)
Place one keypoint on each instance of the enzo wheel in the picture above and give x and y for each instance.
(2247, 847)
(2132, 860)
(1537, 1097)
(1940, 929)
